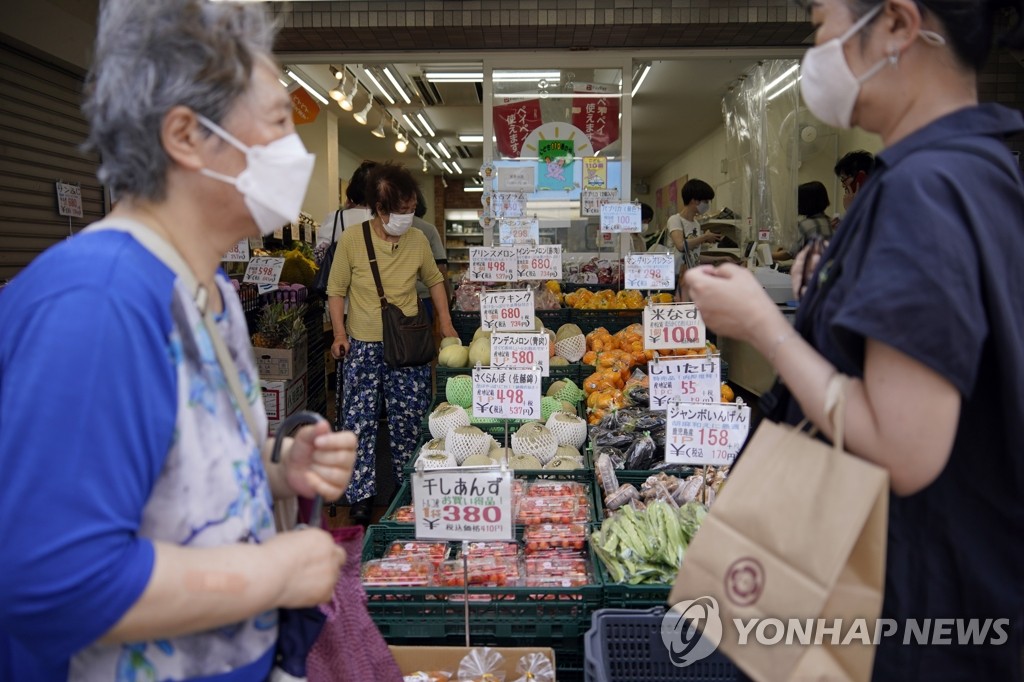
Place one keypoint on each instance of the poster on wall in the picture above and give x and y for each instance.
(595, 111)
(304, 107)
(555, 165)
(514, 120)
(595, 172)
(672, 200)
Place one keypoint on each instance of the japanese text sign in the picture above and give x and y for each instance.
(513, 121)
(239, 253)
(507, 204)
(595, 111)
(69, 199)
(264, 272)
(525, 231)
(650, 271)
(539, 262)
(517, 178)
(693, 379)
(705, 434)
(506, 393)
(620, 218)
(492, 264)
(595, 172)
(531, 350)
(591, 201)
(463, 504)
(507, 311)
(673, 325)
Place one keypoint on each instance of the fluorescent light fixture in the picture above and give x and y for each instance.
(457, 167)
(361, 116)
(471, 137)
(430, 148)
(412, 126)
(526, 76)
(781, 78)
(426, 125)
(443, 149)
(444, 164)
(472, 189)
(640, 80)
(398, 86)
(783, 89)
(373, 79)
(453, 76)
(281, 81)
(307, 88)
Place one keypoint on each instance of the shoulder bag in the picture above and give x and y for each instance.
(323, 274)
(408, 340)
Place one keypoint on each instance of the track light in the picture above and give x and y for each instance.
(400, 144)
(379, 130)
(361, 116)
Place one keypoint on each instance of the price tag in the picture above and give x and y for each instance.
(517, 179)
(525, 231)
(463, 504)
(673, 325)
(69, 199)
(539, 262)
(255, 243)
(521, 350)
(705, 434)
(591, 201)
(650, 271)
(509, 204)
(620, 218)
(507, 311)
(506, 393)
(279, 233)
(693, 379)
(492, 264)
(239, 253)
(264, 271)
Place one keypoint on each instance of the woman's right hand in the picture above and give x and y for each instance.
(310, 564)
(339, 349)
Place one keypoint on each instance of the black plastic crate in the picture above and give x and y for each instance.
(613, 320)
(625, 645)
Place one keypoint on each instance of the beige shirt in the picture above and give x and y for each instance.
(400, 265)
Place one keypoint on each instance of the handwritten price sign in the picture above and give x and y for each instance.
(506, 393)
(492, 264)
(521, 350)
(519, 231)
(507, 311)
(620, 218)
(463, 504)
(693, 380)
(705, 434)
(650, 271)
(673, 325)
(539, 262)
(264, 271)
(591, 201)
(239, 253)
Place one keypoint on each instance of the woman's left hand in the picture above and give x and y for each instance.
(448, 330)
(320, 461)
(731, 300)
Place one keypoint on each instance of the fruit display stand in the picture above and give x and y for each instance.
(572, 371)
(611, 319)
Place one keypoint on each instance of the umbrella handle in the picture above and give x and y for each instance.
(298, 419)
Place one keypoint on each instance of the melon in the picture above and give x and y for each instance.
(478, 461)
(458, 390)
(549, 406)
(568, 391)
(538, 324)
(568, 451)
(572, 348)
(535, 439)
(466, 441)
(445, 418)
(523, 462)
(568, 429)
(564, 463)
(437, 460)
(453, 356)
(480, 351)
(499, 453)
(433, 446)
(555, 387)
(551, 343)
(567, 331)
(450, 341)
(568, 407)
(558, 361)
(481, 332)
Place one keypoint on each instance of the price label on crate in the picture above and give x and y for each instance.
(694, 379)
(521, 350)
(705, 434)
(539, 262)
(620, 218)
(519, 231)
(650, 271)
(239, 253)
(264, 272)
(492, 263)
(463, 504)
(510, 311)
(506, 393)
(673, 325)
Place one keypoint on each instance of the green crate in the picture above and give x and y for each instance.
(621, 595)
(572, 371)
(612, 320)
(553, 319)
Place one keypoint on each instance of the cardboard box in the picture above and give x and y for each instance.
(282, 363)
(282, 399)
(412, 659)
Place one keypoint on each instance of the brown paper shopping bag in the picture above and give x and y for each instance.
(798, 534)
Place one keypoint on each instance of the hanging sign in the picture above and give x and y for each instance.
(304, 108)
(591, 201)
(506, 393)
(508, 204)
(539, 262)
(673, 325)
(517, 178)
(514, 119)
(239, 253)
(650, 271)
(622, 217)
(595, 111)
(705, 434)
(509, 350)
(691, 379)
(519, 231)
(595, 172)
(555, 165)
(69, 199)
(264, 272)
(492, 263)
(507, 310)
(463, 504)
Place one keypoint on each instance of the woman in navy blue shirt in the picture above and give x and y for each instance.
(919, 298)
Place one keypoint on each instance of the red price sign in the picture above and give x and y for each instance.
(539, 262)
(506, 393)
(693, 380)
(521, 350)
(467, 503)
(492, 264)
(705, 434)
(673, 325)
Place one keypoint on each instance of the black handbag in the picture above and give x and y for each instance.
(323, 274)
(408, 340)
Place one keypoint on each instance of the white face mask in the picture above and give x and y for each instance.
(703, 207)
(275, 178)
(399, 224)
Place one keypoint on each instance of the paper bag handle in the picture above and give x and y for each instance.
(835, 407)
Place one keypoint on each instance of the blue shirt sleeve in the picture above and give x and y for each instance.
(88, 396)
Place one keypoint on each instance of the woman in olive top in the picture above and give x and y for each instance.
(403, 256)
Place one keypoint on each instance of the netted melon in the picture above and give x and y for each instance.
(445, 418)
(480, 331)
(533, 438)
(498, 454)
(558, 361)
(437, 460)
(567, 390)
(565, 463)
(570, 343)
(435, 445)
(549, 406)
(458, 390)
(568, 429)
(450, 341)
(480, 351)
(453, 356)
(568, 451)
(466, 441)
(524, 462)
(478, 461)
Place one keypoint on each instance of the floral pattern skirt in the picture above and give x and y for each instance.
(406, 393)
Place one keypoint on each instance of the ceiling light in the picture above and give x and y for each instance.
(412, 126)
(471, 137)
(457, 167)
(430, 147)
(401, 144)
(781, 78)
(373, 79)
(640, 81)
(426, 125)
(398, 86)
(443, 149)
(444, 164)
(379, 130)
(425, 166)
(306, 87)
(472, 189)
(785, 87)
(360, 116)
(526, 76)
(453, 76)
(281, 81)
(345, 103)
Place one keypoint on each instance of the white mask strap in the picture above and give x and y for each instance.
(860, 23)
(223, 134)
(219, 176)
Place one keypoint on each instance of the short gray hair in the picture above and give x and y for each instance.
(153, 55)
